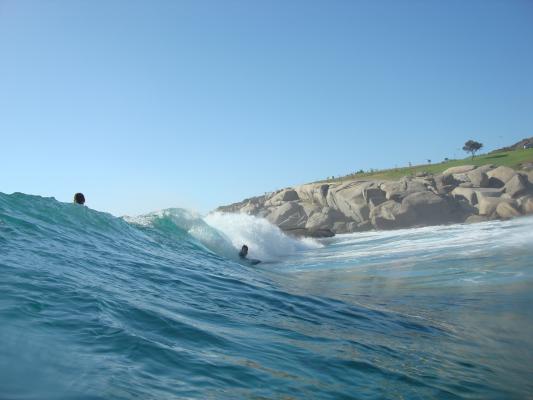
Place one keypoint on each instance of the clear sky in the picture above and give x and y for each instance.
(150, 104)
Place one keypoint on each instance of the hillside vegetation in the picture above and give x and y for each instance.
(511, 159)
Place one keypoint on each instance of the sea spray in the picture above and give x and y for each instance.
(265, 240)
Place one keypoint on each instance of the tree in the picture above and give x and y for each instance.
(472, 146)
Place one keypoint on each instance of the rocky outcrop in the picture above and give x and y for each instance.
(460, 194)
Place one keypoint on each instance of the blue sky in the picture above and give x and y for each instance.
(150, 104)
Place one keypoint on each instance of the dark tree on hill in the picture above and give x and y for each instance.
(472, 146)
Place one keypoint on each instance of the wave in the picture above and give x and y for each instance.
(224, 234)
(265, 240)
(94, 306)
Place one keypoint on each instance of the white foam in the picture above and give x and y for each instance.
(225, 234)
(460, 239)
(265, 240)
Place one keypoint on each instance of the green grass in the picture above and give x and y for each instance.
(511, 159)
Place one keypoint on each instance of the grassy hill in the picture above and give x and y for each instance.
(511, 159)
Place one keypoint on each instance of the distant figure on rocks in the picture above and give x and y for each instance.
(244, 251)
(79, 198)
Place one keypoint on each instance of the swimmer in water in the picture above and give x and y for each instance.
(244, 251)
(79, 198)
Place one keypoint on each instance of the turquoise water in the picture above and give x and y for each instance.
(158, 307)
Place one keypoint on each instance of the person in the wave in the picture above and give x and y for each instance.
(79, 198)
(244, 251)
(243, 254)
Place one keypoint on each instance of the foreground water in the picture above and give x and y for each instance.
(157, 307)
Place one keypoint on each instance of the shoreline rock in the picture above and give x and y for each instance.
(460, 194)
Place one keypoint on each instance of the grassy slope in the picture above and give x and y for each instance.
(511, 159)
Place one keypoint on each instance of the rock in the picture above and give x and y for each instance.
(285, 195)
(363, 226)
(394, 190)
(342, 227)
(288, 216)
(384, 215)
(472, 195)
(465, 193)
(460, 194)
(506, 210)
(485, 168)
(313, 193)
(526, 204)
(374, 196)
(325, 219)
(487, 192)
(444, 183)
(478, 177)
(318, 233)
(349, 199)
(498, 177)
(426, 208)
(475, 219)
(462, 178)
(487, 205)
(516, 186)
(415, 185)
(530, 177)
(459, 170)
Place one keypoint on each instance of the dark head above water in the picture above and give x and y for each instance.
(244, 251)
(79, 198)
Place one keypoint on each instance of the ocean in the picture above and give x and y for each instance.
(160, 307)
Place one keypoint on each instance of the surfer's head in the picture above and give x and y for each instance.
(244, 251)
(79, 198)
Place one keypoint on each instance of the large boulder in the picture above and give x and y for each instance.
(313, 193)
(472, 195)
(325, 219)
(498, 177)
(399, 190)
(444, 183)
(516, 186)
(478, 177)
(526, 204)
(384, 215)
(285, 195)
(394, 190)
(461, 169)
(530, 177)
(349, 199)
(426, 208)
(289, 215)
(487, 192)
(467, 194)
(374, 196)
(487, 205)
(416, 209)
(506, 210)
(462, 178)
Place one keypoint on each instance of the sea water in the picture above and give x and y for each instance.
(160, 307)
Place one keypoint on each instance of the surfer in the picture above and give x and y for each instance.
(243, 254)
(79, 198)
(244, 251)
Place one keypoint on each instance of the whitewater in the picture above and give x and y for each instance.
(159, 306)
